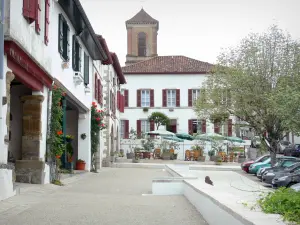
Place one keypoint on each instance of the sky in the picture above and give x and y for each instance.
(198, 29)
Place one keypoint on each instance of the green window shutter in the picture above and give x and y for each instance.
(86, 69)
(74, 52)
(60, 34)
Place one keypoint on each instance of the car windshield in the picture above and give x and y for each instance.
(262, 158)
(268, 160)
(287, 163)
(285, 143)
(291, 167)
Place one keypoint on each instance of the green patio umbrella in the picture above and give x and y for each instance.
(174, 138)
(235, 139)
(185, 136)
(210, 137)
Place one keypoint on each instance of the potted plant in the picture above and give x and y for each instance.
(211, 154)
(218, 160)
(69, 138)
(70, 152)
(136, 157)
(80, 164)
(130, 155)
(145, 109)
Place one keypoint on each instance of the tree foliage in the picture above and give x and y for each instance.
(159, 119)
(258, 82)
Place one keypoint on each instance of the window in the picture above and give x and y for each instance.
(76, 59)
(63, 38)
(195, 95)
(141, 44)
(122, 130)
(145, 98)
(86, 69)
(145, 126)
(197, 126)
(171, 98)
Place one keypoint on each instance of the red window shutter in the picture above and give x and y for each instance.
(29, 10)
(122, 103)
(38, 16)
(190, 97)
(138, 98)
(178, 98)
(126, 98)
(96, 88)
(126, 128)
(152, 126)
(100, 95)
(203, 126)
(230, 127)
(151, 98)
(139, 128)
(191, 127)
(118, 100)
(164, 98)
(47, 21)
(216, 128)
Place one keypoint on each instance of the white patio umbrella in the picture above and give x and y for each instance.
(161, 133)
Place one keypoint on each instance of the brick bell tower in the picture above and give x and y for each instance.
(141, 37)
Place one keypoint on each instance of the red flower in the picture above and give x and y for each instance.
(98, 119)
(103, 125)
(54, 87)
(59, 132)
(64, 94)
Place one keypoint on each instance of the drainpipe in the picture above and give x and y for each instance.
(1, 74)
(108, 109)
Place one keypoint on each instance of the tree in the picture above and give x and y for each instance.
(159, 119)
(258, 82)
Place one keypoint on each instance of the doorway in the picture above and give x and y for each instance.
(172, 127)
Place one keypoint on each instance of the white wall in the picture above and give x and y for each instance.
(65, 76)
(158, 82)
(24, 33)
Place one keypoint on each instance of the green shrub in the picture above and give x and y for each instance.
(283, 201)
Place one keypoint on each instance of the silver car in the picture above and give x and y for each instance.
(296, 187)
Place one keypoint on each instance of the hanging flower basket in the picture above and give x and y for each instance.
(58, 156)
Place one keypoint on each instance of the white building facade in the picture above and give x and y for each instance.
(167, 84)
(47, 44)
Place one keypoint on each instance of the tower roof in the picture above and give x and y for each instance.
(142, 17)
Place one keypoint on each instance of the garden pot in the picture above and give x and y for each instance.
(80, 165)
(130, 155)
(201, 158)
(212, 158)
(174, 156)
(146, 155)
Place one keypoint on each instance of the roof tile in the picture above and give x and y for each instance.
(168, 65)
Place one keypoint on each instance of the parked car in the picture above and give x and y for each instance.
(286, 180)
(292, 150)
(253, 169)
(282, 163)
(296, 187)
(245, 165)
(282, 145)
(269, 176)
(255, 142)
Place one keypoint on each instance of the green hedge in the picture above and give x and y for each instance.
(283, 201)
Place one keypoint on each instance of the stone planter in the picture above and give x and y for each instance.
(166, 156)
(212, 158)
(174, 156)
(135, 160)
(130, 155)
(201, 159)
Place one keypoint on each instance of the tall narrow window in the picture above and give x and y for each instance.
(196, 95)
(63, 38)
(145, 98)
(145, 125)
(142, 44)
(76, 56)
(171, 98)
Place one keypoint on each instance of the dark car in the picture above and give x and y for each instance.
(282, 163)
(278, 180)
(283, 145)
(287, 180)
(292, 150)
(280, 167)
(245, 165)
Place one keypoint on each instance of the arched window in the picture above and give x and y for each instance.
(142, 44)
